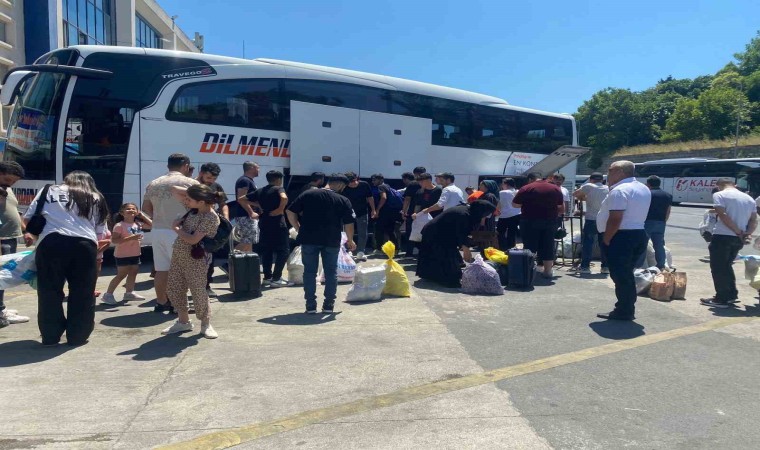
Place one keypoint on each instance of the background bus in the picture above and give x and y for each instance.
(691, 180)
(118, 112)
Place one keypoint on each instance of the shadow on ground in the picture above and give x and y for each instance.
(299, 319)
(164, 346)
(19, 353)
(617, 329)
(139, 320)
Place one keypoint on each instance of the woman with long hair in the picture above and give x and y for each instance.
(444, 237)
(75, 212)
(190, 261)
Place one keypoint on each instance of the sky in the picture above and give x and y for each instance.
(548, 55)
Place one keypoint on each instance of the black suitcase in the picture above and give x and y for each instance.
(502, 270)
(245, 274)
(521, 269)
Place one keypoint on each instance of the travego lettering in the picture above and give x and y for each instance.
(244, 145)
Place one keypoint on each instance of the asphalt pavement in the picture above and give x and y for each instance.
(441, 369)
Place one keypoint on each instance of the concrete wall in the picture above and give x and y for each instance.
(750, 151)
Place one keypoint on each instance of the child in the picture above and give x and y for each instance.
(190, 262)
(104, 241)
(127, 234)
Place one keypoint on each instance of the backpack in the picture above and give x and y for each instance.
(220, 239)
(395, 199)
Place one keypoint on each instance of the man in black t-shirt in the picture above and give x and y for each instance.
(274, 231)
(387, 213)
(428, 195)
(319, 216)
(243, 213)
(360, 195)
(208, 175)
(410, 193)
(657, 218)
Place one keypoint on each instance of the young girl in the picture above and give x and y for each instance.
(127, 234)
(189, 261)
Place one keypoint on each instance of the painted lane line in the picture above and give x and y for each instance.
(235, 436)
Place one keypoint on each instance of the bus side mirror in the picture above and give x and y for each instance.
(12, 86)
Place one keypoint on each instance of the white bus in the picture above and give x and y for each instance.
(119, 112)
(691, 180)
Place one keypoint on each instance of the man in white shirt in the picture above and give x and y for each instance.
(737, 220)
(621, 218)
(509, 219)
(164, 209)
(450, 196)
(559, 180)
(593, 193)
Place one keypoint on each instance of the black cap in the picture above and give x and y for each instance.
(596, 176)
(338, 177)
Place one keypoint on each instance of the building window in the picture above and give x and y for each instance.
(145, 35)
(3, 32)
(88, 22)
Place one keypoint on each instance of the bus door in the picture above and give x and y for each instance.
(323, 139)
(391, 144)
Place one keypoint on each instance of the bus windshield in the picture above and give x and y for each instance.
(32, 127)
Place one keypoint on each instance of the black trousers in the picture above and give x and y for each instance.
(273, 249)
(723, 251)
(62, 259)
(8, 246)
(385, 228)
(507, 230)
(538, 237)
(622, 253)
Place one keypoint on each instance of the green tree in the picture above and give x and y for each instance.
(686, 122)
(720, 108)
(749, 59)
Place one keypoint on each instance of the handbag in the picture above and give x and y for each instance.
(37, 222)
(484, 239)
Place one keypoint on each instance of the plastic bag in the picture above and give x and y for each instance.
(644, 279)
(396, 281)
(16, 269)
(346, 265)
(295, 266)
(417, 225)
(707, 226)
(751, 266)
(481, 279)
(566, 250)
(652, 261)
(369, 283)
(496, 255)
(293, 234)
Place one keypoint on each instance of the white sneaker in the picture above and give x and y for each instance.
(280, 283)
(584, 271)
(178, 327)
(132, 296)
(209, 332)
(108, 299)
(361, 257)
(11, 315)
(605, 270)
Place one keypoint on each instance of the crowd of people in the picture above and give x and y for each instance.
(621, 217)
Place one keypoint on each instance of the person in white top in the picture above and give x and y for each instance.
(559, 180)
(450, 196)
(737, 220)
(593, 194)
(621, 218)
(509, 219)
(66, 253)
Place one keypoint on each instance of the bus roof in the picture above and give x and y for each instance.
(296, 68)
(696, 160)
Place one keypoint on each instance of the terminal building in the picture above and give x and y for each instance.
(31, 28)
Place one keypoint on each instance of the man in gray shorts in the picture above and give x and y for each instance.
(244, 214)
(164, 208)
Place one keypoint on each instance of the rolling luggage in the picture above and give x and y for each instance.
(521, 269)
(245, 274)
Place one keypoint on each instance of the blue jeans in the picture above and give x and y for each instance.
(591, 234)
(656, 231)
(310, 256)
